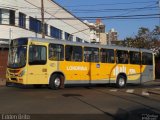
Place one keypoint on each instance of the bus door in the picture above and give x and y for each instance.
(94, 65)
(37, 68)
(147, 67)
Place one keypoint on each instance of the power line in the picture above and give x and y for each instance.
(119, 9)
(110, 4)
(139, 16)
(113, 10)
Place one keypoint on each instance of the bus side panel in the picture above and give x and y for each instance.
(133, 73)
(37, 74)
(75, 72)
(53, 66)
(106, 71)
(147, 73)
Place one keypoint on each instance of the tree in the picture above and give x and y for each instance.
(145, 39)
(156, 33)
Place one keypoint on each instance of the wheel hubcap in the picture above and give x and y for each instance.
(121, 82)
(57, 82)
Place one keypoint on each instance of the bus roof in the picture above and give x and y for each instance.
(60, 41)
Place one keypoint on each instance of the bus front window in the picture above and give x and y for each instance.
(17, 57)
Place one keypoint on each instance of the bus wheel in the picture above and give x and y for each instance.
(121, 81)
(55, 81)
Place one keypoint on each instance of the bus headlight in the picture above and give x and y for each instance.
(22, 73)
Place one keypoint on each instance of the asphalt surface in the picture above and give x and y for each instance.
(82, 102)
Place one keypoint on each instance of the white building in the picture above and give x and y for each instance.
(22, 18)
(97, 32)
(112, 36)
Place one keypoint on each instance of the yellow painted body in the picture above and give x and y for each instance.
(73, 71)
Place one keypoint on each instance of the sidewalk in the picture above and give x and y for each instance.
(2, 82)
(157, 80)
(157, 89)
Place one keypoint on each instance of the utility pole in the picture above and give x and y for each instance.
(159, 13)
(10, 37)
(42, 15)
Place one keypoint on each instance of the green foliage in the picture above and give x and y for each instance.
(145, 39)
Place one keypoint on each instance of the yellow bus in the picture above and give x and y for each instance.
(34, 61)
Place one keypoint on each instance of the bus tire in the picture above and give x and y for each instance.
(55, 81)
(121, 81)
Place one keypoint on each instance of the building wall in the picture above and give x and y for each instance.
(3, 65)
(54, 15)
(112, 35)
(103, 38)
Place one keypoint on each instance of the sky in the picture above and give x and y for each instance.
(109, 9)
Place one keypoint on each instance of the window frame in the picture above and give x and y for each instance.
(132, 57)
(11, 17)
(72, 56)
(37, 62)
(22, 20)
(62, 53)
(106, 51)
(55, 32)
(89, 57)
(35, 25)
(149, 62)
(119, 59)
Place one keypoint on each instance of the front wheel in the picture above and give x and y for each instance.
(56, 81)
(121, 81)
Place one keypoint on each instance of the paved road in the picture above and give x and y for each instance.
(87, 103)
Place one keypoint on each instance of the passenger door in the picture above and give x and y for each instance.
(37, 65)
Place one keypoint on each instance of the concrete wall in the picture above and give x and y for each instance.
(3, 65)
(52, 10)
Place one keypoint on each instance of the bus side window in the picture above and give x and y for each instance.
(91, 54)
(122, 57)
(134, 57)
(147, 58)
(73, 53)
(107, 55)
(56, 52)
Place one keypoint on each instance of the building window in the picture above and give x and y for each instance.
(56, 33)
(56, 52)
(86, 41)
(78, 39)
(12, 17)
(68, 36)
(46, 28)
(91, 54)
(107, 56)
(22, 20)
(73, 53)
(4, 16)
(35, 25)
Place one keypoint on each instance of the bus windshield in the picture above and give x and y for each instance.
(17, 57)
(17, 53)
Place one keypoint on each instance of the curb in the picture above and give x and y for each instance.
(2, 82)
(157, 80)
(154, 92)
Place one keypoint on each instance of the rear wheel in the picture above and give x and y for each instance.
(56, 81)
(121, 81)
